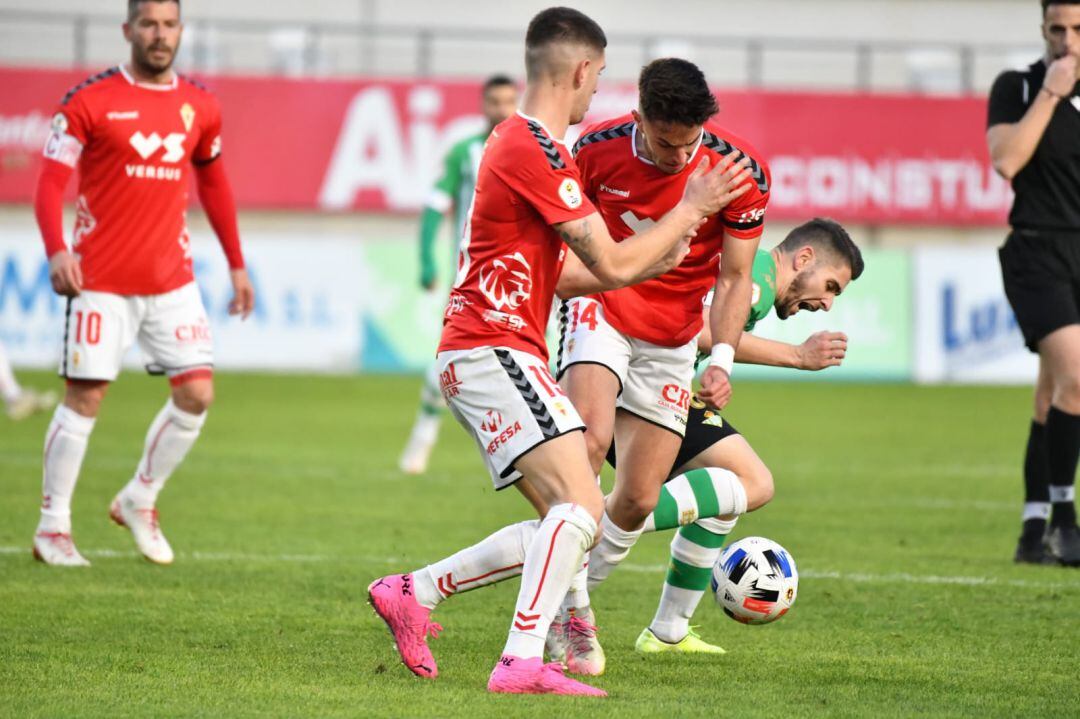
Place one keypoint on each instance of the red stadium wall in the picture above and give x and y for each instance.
(375, 145)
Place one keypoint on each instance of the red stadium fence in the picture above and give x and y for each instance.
(375, 145)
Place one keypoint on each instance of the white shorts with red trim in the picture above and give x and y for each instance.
(507, 401)
(172, 329)
(654, 381)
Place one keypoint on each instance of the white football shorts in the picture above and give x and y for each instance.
(171, 328)
(654, 381)
(507, 401)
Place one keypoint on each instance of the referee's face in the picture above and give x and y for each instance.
(1061, 30)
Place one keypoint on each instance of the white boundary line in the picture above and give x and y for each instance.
(856, 577)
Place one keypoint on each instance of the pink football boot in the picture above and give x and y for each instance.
(514, 675)
(393, 600)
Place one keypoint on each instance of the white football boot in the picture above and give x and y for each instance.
(30, 402)
(584, 655)
(57, 549)
(144, 527)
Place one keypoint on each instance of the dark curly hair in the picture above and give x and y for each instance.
(673, 90)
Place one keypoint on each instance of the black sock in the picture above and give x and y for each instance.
(1062, 451)
(1036, 483)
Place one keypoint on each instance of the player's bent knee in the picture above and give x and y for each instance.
(84, 396)
(194, 397)
(759, 489)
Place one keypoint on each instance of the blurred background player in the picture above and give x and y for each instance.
(1034, 140)
(626, 357)
(136, 132)
(453, 191)
(493, 356)
(20, 402)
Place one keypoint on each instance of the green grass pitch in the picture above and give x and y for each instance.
(900, 504)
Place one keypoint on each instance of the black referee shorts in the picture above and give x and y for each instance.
(704, 428)
(1041, 273)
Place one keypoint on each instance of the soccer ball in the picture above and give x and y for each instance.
(755, 581)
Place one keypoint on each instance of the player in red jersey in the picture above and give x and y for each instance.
(137, 134)
(627, 356)
(493, 357)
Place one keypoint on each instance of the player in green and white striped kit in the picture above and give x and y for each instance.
(807, 271)
(453, 191)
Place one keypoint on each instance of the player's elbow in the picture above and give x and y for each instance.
(1005, 169)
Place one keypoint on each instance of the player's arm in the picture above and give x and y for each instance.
(727, 316)
(440, 200)
(577, 281)
(1012, 143)
(216, 196)
(63, 148)
(624, 263)
(820, 350)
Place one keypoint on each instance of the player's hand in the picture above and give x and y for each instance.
(243, 301)
(710, 190)
(822, 349)
(1061, 76)
(65, 274)
(715, 387)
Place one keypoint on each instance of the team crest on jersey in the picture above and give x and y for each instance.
(570, 193)
(59, 123)
(187, 114)
(756, 295)
(506, 282)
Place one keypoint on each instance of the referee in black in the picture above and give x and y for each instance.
(1034, 140)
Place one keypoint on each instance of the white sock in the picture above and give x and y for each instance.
(9, 387)
(677, 604)
(614, 545)
(577, 596)
(497, 557)
(65, 447)
(1036, 510)
(171, 435)
(553, 558)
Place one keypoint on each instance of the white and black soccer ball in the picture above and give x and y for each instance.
(755, 581)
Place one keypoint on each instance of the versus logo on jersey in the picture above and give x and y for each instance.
(751, 216)
(148, 145)
(755, 294)
(570, 193)
(506, 282)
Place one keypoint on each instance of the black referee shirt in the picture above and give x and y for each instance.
(1048, 188)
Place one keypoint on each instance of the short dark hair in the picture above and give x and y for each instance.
(497, 81)
(560, 25)
(675, 91)
(1047, 3)
(133, 6)
(829, 236)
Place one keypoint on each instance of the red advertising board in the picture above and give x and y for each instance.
(375, 145)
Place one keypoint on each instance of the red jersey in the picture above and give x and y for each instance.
(632, 194)
(134, 144)
(511, 256)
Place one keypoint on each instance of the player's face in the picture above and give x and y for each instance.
(500, 102)
(154, 34)
(668, 145)
(1061, 30)
(813, 288)
(587, 78)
